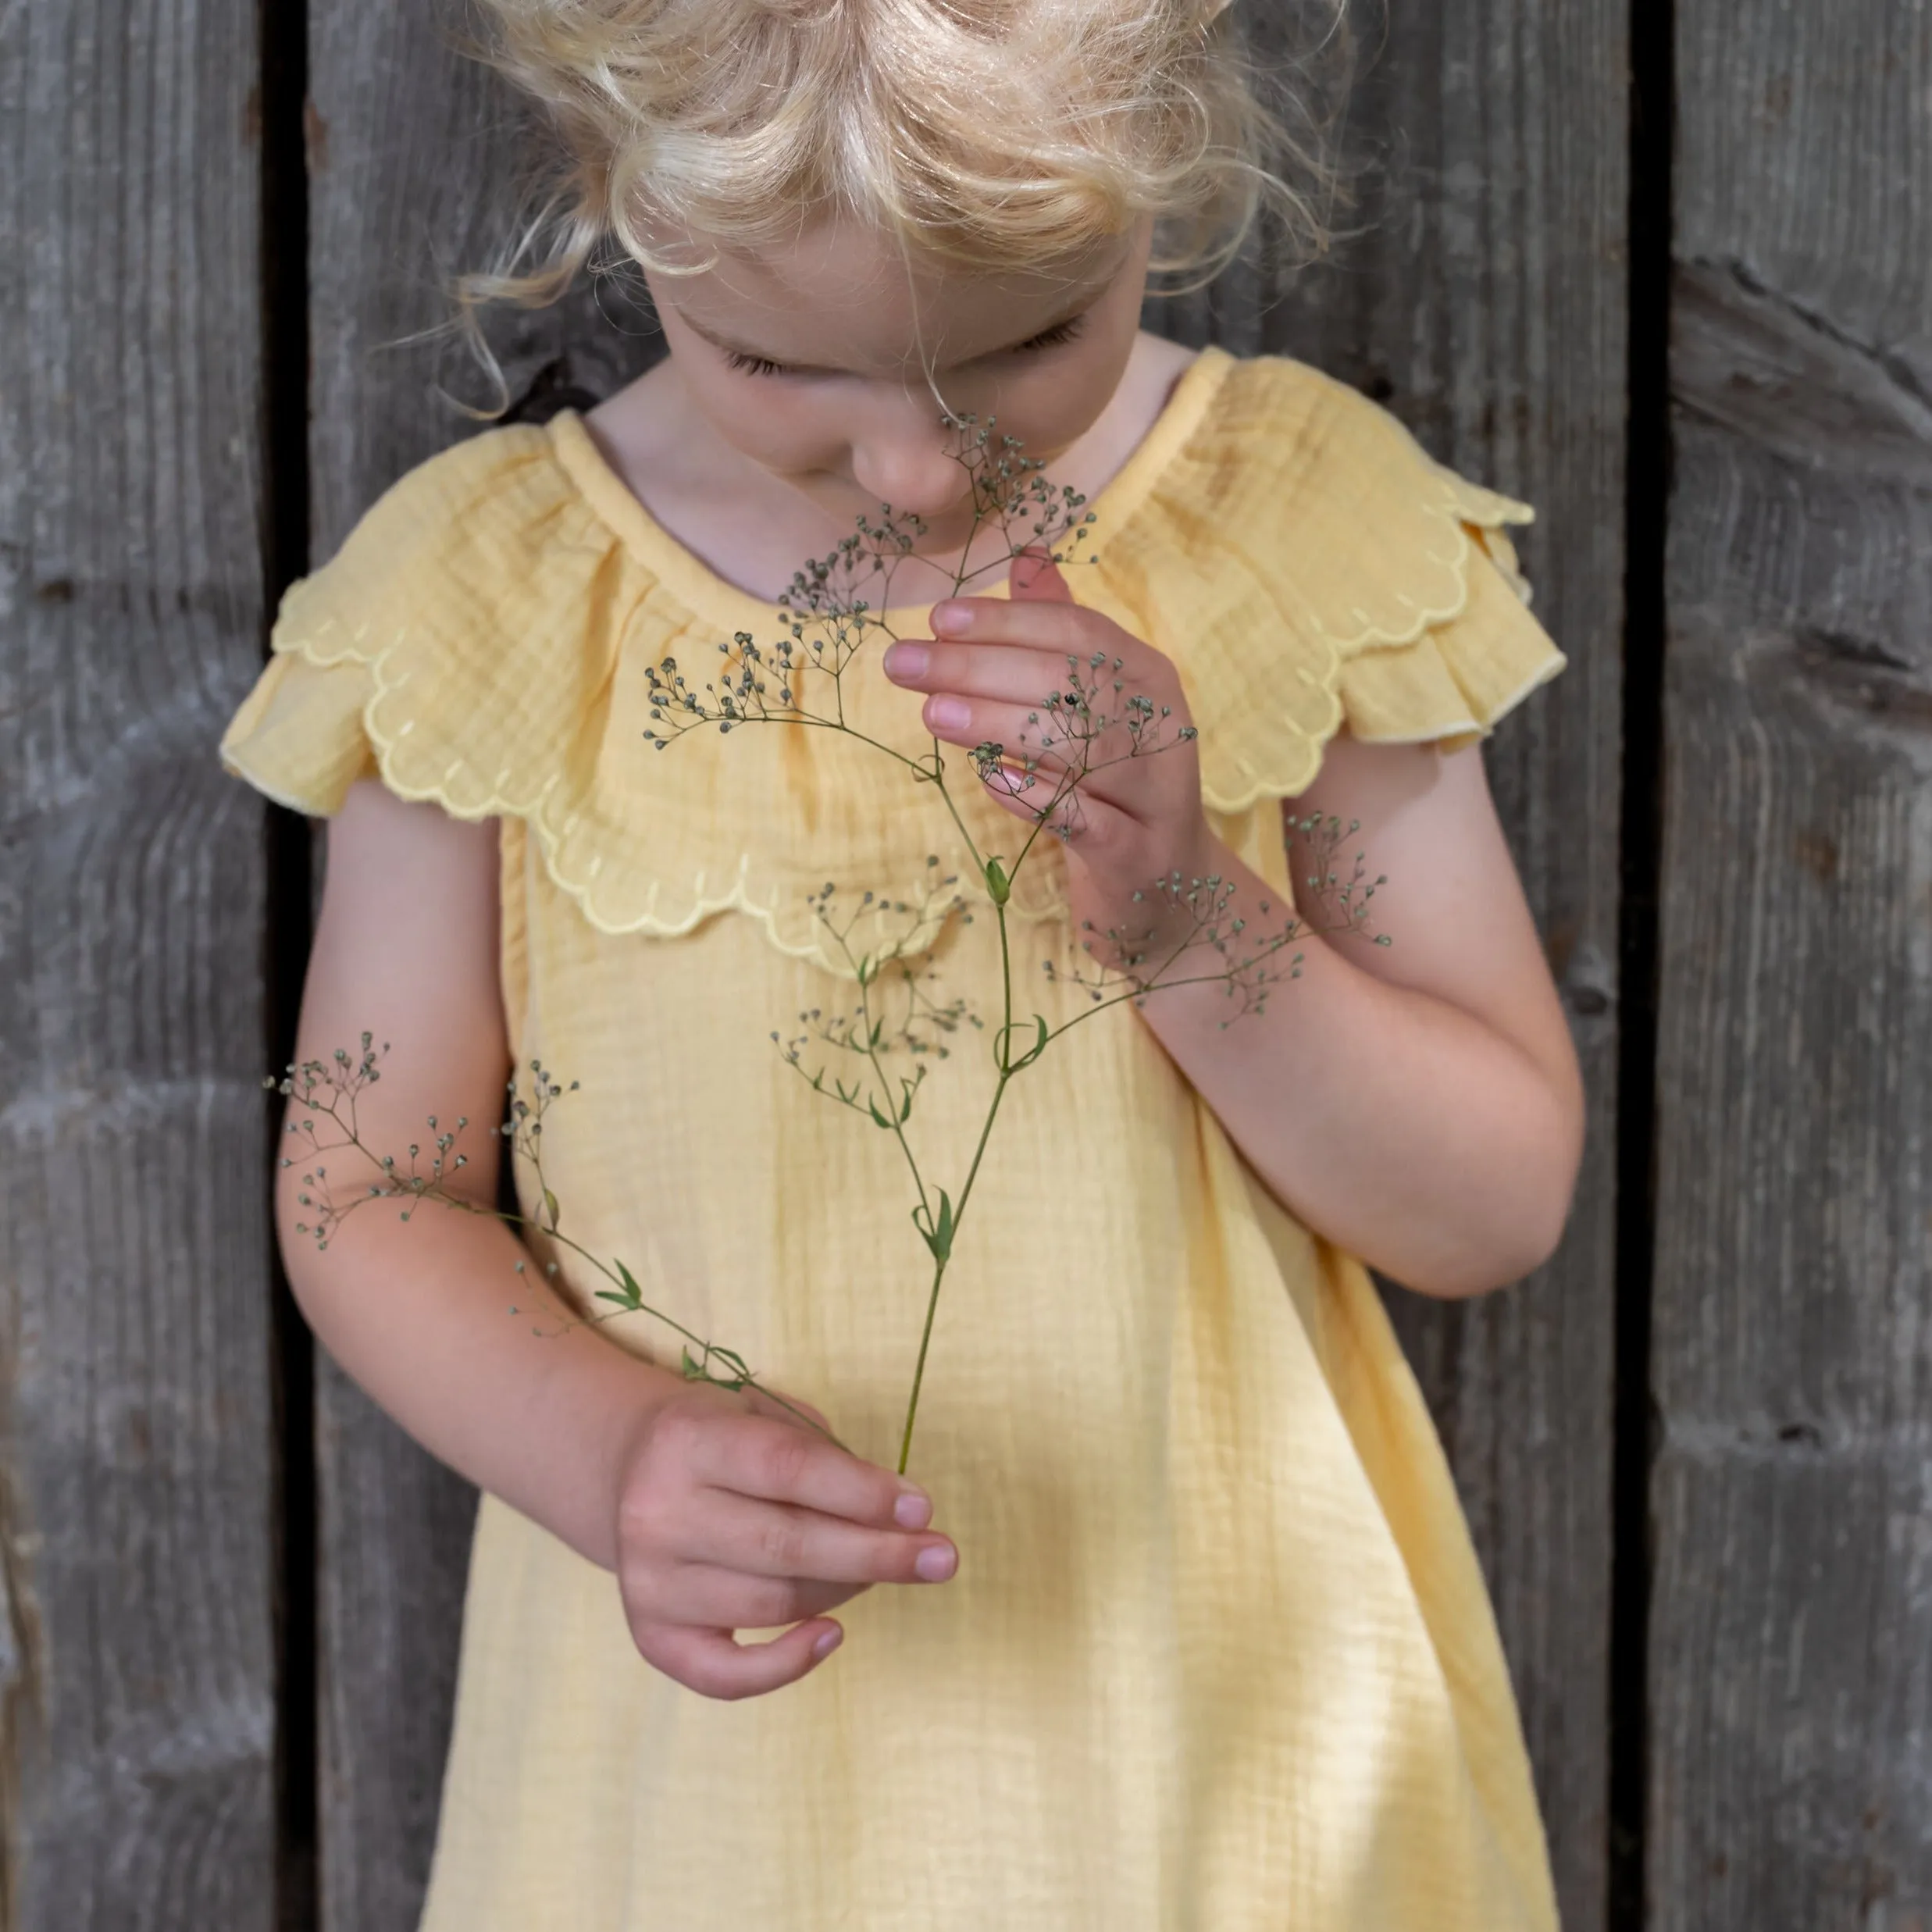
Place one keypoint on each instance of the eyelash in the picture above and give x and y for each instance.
(1047, 339)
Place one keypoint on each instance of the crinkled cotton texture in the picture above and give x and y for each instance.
(1219, 1655)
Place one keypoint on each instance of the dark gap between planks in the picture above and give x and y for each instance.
(1653, 108)
(283, 30)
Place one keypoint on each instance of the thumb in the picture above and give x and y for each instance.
(1034, 574)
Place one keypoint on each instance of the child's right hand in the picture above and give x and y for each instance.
(733, 1515)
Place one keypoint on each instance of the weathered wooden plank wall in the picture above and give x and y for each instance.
(1788, 1781)
(1791, 1635)
(136, 1540)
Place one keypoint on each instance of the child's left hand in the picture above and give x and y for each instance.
(1138, 817)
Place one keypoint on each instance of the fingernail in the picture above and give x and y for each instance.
(913, 1510)
(826, 1644)
(936, 1562)
(948, 714)
(952, 619)
(906, 661)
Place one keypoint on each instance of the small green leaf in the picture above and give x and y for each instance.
(612, 1295)
(997, 883)
(937, 1236)
(734, 1362)
(550, 1208)
(879, 1119)
(634, 1295)
(1038, 1047)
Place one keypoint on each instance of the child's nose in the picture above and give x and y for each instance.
(903, 461)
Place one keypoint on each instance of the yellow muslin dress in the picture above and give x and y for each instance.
(1219, 1656)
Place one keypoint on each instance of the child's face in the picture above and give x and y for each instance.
(848, 417)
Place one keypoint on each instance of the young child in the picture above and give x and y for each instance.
(1179, 1625)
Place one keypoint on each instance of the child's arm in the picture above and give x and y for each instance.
(1420, 1105)
(718, 1511)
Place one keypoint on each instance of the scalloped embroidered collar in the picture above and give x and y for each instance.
(500, 603)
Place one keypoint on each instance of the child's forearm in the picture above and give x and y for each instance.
(418, 1313)
(1395, 1125)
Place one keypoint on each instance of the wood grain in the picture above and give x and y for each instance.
(137, 1450)
(1484, 299)
(1792, 1634)
(417, 158)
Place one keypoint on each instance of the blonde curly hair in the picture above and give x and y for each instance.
(1002, 136)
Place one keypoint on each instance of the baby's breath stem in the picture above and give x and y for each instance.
(885, 1086)
(1002, 1045)
(1006, 991)
(937, 779)
(918, 1372)
(939, 1272)
(640, 1308)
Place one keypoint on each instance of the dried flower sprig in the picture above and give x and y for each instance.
(800, 681)
(330, 1091)
(1194, 936)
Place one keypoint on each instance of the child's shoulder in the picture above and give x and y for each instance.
(467, 521)
(1325, 498)
(1283, 443)
(453, 643)
(1300, 537)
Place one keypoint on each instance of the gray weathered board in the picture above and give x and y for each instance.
(1791, 1649)
(1790, 1707)
(138, 1458)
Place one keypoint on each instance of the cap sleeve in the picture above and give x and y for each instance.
(1310, 567)
(1451, 684)
(418, 593)
(298, 736)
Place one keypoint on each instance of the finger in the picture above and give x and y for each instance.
(1078, 816)
(1012, 672)
(1040, 623)
(765, 1539)
(762, 1401)
(714, 1598)
(710, 1662)
(1033, 573)
(781, 1462)
(1025, 732)
(1059, 741)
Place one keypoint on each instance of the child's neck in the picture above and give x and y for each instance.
(753, 529)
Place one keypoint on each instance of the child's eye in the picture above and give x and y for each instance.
(1051, 338)
(1047, 339)
(753, 365)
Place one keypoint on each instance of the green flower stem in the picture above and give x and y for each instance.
(936, 778)
(939, 1268)
(415, 1188)
(636, 1308)
(885, 1083)
(1001, 1050)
